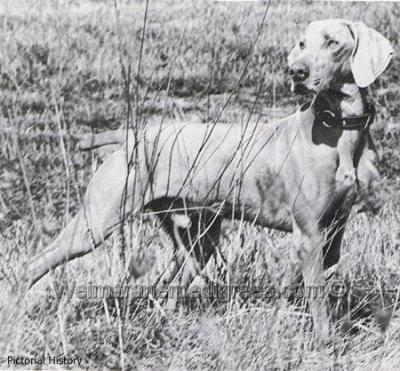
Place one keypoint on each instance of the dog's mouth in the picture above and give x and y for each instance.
(298, 87)
(316, 85)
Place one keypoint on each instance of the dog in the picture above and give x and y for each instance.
(299, 174)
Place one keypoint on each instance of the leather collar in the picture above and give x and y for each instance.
(333, 120)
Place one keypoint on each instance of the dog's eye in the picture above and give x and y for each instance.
(302, 44)
(331, 43)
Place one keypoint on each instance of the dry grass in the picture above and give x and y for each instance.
(60, 66)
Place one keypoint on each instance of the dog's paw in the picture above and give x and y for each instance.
(345, 176)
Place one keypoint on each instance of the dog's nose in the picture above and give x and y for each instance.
(299, 71)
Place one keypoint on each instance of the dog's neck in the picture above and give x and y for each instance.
(346, 100)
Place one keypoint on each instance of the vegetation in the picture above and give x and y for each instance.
(65, 68)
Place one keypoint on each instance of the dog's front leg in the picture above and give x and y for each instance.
(310, 251)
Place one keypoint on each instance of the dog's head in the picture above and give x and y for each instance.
(335, 51)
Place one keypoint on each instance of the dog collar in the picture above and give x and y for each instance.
(332, 120)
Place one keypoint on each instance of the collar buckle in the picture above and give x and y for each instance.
(330, 120)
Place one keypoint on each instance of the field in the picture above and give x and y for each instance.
(70, 68)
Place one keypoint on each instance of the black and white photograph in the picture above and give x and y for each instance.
(199, 185)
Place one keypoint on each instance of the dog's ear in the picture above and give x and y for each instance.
(371, 54)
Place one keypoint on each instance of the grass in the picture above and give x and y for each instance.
(60, 66)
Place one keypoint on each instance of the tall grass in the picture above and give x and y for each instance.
(60, 65)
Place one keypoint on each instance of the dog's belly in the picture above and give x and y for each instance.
(251, 200)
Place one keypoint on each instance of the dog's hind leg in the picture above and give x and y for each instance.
(195, 236)
(94, 222)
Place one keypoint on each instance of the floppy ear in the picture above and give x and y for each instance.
(371, 54)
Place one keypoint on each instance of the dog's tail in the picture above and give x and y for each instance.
(111, 137)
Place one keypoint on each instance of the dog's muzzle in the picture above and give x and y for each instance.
(298, 73)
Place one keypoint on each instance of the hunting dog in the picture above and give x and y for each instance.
(299, 174)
